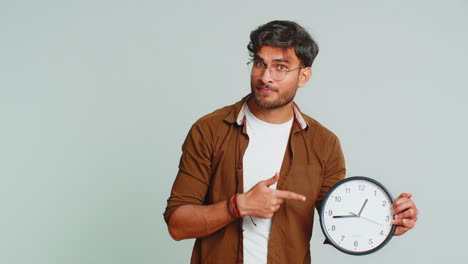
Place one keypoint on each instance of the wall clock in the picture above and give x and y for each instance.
(356, 216)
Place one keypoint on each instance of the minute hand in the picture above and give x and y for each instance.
(344, 216)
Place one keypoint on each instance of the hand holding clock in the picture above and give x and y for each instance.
(358, 215)
(406, 213)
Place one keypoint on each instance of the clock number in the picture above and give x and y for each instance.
(333, 228)
(342, 238)
(338, 199)
(356, 243)
(371, 242)
(362, 187)
(330, 212)
(381, 233)
(384, 203)
(375, 193)
(348, 190)
(387, 218)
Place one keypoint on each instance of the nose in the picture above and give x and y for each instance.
(266, 76)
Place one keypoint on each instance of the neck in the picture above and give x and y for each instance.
(277, 115)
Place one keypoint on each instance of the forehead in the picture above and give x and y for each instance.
(269, 53)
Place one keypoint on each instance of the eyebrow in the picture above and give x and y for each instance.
(256, 57)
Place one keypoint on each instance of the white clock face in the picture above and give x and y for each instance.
(356, 216)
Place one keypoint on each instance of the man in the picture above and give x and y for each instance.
(251, 173)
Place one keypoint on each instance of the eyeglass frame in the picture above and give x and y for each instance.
(250, 64)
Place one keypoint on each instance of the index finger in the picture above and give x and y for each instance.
(407, 195)
(289, 195)
(404, 197)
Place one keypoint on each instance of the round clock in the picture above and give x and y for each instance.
(356, 216)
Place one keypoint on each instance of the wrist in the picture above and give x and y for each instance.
(232, 207)
(240, 198)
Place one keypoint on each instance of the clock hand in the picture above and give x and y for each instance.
(362, 208)
(343, 216)
(367, 219)
(372, 221)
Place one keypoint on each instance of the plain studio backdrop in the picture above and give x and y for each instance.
(96, 98)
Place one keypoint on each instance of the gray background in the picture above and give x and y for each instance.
(96, 98)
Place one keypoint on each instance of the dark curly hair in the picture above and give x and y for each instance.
(284, 34)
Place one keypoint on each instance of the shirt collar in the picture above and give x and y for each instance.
(240, 114)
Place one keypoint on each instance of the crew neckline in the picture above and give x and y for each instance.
(257, 120)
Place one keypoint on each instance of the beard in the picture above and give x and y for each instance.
(265, 102)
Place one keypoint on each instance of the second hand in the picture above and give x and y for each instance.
(367, 219)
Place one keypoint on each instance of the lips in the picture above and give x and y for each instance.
(266, 90)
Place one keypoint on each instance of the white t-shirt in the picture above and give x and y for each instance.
(262, 159)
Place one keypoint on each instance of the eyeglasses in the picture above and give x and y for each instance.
(277, 71)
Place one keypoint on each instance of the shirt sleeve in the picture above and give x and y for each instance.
(192, 180)
(334, 171)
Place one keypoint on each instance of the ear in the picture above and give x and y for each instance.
(304, 76)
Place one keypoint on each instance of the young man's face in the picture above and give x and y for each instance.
(269, 93)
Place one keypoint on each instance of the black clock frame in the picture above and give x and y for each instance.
(321, 214)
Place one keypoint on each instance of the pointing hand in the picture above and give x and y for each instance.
(262, 201)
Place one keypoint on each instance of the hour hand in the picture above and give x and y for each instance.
(362, 208)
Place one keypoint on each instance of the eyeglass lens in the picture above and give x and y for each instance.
(275, 73)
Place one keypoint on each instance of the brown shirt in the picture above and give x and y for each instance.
(210, 171)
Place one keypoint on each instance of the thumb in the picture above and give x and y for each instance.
(272, 180)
